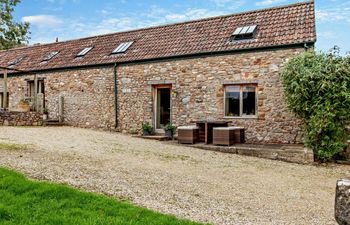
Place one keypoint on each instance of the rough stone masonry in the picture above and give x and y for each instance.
(20, 118)
(197, 93)
(342, 204)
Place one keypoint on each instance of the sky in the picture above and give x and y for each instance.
(71, 19)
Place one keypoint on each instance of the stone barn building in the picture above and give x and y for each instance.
(221, 68)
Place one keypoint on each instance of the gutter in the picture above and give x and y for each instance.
(115, 94)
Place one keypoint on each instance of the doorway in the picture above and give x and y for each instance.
(162, 106)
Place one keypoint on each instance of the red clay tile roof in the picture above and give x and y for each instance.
(286, 25)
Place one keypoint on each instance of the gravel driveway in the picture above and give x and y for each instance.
(190, 183)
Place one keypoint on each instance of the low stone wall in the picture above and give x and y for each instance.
(20, 119)
(342, 202)
(287, 153)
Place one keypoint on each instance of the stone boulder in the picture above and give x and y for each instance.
(342, 202)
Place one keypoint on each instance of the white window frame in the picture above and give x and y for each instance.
(241, 101)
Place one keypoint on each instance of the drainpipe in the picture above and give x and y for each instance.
(116, 95)
(306, 47)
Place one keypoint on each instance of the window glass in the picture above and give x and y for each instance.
(249, 101)
(240, 100)
(232, 101)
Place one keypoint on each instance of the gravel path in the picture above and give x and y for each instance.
(190, 183)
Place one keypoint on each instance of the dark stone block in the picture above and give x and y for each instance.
(342, 202)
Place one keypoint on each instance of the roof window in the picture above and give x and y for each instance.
(83, 52)
(50, 56)
(123, 47)
(242, 33)
(16, 61)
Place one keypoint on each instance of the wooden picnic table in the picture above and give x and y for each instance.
(206, 129)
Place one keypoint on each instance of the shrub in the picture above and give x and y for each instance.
(24, 101)
(147, 127)
(170, 127)
(317, 90)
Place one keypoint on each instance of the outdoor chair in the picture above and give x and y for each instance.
(188, 134)
(228, 135)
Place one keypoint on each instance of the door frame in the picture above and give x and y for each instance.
(155, 103)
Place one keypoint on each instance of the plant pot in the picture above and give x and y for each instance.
(45, 116)
(169, 134)
(146, 133)
(23, 107)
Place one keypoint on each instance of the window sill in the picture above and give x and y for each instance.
(240, 117)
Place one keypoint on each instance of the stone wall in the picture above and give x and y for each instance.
(88, 95)
(198, 92)
(342, 202)
(20, 119)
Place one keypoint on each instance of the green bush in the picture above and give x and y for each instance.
(317, 90)
(147, 127)
(170, 127)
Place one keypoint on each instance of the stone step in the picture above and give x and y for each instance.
(155, 137)
(53, 123)
(51, 120)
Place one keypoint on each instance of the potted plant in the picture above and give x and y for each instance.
(147, 129)
(170, 130)
(45, 114)
(24, 105)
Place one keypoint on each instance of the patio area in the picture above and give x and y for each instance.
(220, 136)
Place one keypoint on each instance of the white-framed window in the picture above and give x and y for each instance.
(240, 100)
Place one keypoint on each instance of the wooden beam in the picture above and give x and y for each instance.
(5, 90)
(35, 102)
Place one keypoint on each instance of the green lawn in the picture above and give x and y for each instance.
(30, 202)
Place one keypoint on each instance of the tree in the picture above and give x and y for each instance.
(317, 90)
(11, 33)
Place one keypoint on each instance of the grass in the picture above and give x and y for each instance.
(31, 202)
(12, 147)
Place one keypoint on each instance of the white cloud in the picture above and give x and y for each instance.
(63, 1)
(42, 20)
(326, 34)
(221, 3)
(228, 5)
(104, 12)
(269, 2)
(333, 14)
(158, 16)
(112, 25)
(47, 28)
(175, 17)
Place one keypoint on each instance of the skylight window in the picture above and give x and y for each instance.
(16, 61)
(123, 47)
(84, 52)
(246, 32)
(50, 56)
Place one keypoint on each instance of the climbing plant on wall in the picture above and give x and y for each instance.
(317, 90)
